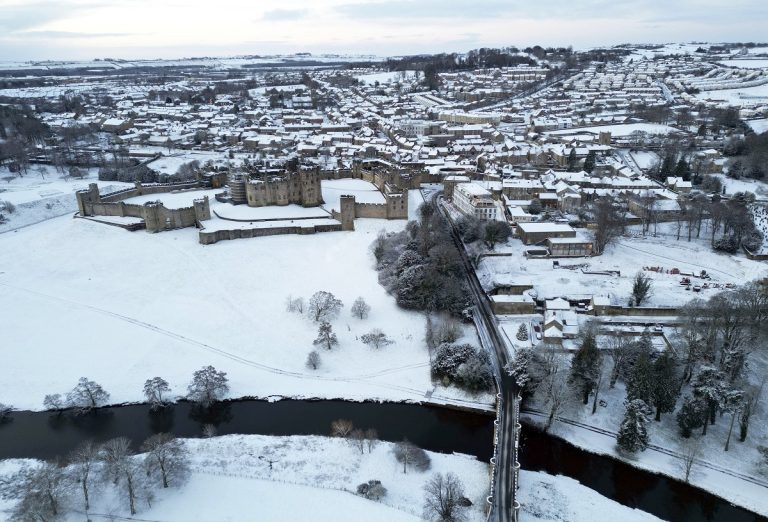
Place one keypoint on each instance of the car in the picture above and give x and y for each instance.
(657, 327)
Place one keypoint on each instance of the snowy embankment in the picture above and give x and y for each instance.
(85, 299)
(733, 475)
(315, 478)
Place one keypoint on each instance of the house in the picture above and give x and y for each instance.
(532, 233)
(569, 247)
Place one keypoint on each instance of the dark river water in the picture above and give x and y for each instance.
(46, 435)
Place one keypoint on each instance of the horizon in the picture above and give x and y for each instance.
(78, 30)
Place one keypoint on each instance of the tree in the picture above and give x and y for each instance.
(154, 389)
(325, 336)
(609, 223)
(522, 333)
(208, 386)
(733, 402)
(496, 232)
(313, 360)
(573, 161)
(341, 428)
(371, 438)
(87, 395)
(642, 288)
(376, 339)
(444, 499)
(5, 412)
(360, 308)
(589, 162)
(640, 379)
(692, 414)
(372, 490)
(689, 454)
(763, 450)
(54, 402)
(585, 365)
(118, 459)
(633, 432)
(357, 439)
(166, 454)
(323, 306)
(708, 385)
(665, 389)
(83, 460)
(411, 455)
(41, 490)
(294, 304)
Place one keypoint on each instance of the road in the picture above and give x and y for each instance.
(504, 486)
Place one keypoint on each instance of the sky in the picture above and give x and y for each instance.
(87, 29)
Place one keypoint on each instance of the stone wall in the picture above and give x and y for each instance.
(211, 237)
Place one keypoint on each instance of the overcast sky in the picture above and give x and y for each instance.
(83, 29)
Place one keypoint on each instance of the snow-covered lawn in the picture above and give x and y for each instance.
(740, 97)
(43, 193)
(620, 129)
(312, 478)
(363, 191)
(84, 299)
(628, 255)
(556, 498)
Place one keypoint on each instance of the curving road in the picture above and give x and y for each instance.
(504, 481)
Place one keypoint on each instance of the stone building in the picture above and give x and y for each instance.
(280, 188)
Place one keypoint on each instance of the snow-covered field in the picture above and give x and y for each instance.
(84, 299)
(737, 97)
(385, 77)
(314, 478)
(43, 194)
(759, 126)
(620, 130)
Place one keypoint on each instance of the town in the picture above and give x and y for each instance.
(562, 248)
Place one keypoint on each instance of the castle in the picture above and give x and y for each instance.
(277, 188)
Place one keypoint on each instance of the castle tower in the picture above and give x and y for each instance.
(86, 198)
(347, 212)
(202, 209)
(153, 220)
(237, 188)
(311, 190)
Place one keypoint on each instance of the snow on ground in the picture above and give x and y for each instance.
(82, 298)
(620, 130)
(385, 77)
(644, 159)
(43, 194)
(759, 188)
(744, 96)
(557, 498)
(746, 64)
(628, 255)
(313, 478)
(363, 191)
(759, 126)
(741, 458)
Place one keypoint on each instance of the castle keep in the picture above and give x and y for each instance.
(277, 188)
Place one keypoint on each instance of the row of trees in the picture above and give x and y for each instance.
(421, 267)
(208, 386)
(44, 491)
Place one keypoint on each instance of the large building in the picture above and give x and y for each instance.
(473, 200)
(277, 188)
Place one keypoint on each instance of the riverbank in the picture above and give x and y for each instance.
(723, 484)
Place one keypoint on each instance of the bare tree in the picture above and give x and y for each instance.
(84, 460)
(447, 330)
(371, 438)
(209, 430)
(87, 395)
(325, 336)
(555, 398)
(313, 360)
(444, 499)
(208, 386)
(411, 455)
(341, 428)
(690, 452)
(376, 339)
(360, 308)
(294, 304)
(5, 411)
(41, 491)
(154, 389)
(166, 454)
(357, 439)
(323, 306)
(54, 402)
(609, 223)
